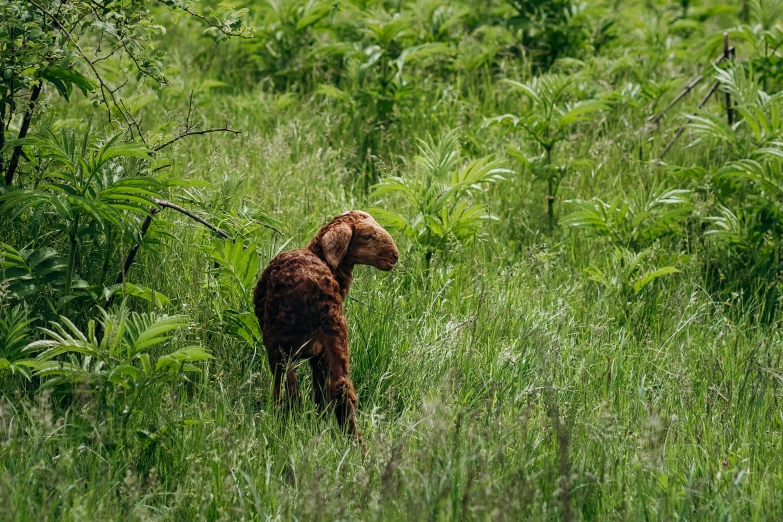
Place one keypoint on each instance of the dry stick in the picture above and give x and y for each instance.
(146, 225)
(727, 55)
(688, 88)
(682, 129)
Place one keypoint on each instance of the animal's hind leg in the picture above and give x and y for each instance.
(340, 387)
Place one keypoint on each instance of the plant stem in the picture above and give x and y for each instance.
(71, 257)
(2, 129)
(106, 256)
(550, 196)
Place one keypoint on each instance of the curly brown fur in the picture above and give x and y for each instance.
(299, 304)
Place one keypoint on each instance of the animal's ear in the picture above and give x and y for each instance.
(335, 243)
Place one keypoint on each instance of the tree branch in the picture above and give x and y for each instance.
(681, 130)
(167, 204)
(218, 25)
(28, 116)
(688, 88)
(191, 129)
(104, 86)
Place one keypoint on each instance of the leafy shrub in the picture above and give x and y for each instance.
(553, 29)
(547, 119)
(376, 84)
(280, 52)
(88, 194)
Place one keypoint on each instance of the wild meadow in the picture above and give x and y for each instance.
(584, 323)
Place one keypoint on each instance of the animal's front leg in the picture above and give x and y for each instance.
(281, 368)
(320, 382)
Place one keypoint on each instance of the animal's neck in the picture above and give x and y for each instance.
(344, 276)
(343, 273)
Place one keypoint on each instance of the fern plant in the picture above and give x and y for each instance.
(442, 202)
(236, 271)
(633, 220)
(115, 351)
(763, 32)
(121, 359)
(627, 274)
(748, 184)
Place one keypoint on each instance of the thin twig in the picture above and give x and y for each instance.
(192, 129)
(156, 169)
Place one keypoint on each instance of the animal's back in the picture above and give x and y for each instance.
(294, 299)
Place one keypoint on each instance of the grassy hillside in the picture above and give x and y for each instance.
(583, 325)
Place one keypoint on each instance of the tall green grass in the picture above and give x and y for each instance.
(495, 382)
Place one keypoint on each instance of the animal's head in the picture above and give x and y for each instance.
(355, 238)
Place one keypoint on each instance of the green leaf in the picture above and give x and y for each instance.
(579, 112)
(142, 292)
(155, 333)
(388, 218)
(65, 78)
(313, 14)
(651, 276)
(175, 361)
(331, 91)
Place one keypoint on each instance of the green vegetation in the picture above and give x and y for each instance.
(584, 323)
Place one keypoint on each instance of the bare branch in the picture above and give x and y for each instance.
(681, 130)
(156, 169)
(688, 88)
(196, 133)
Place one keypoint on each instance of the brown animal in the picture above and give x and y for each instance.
(299, 304)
